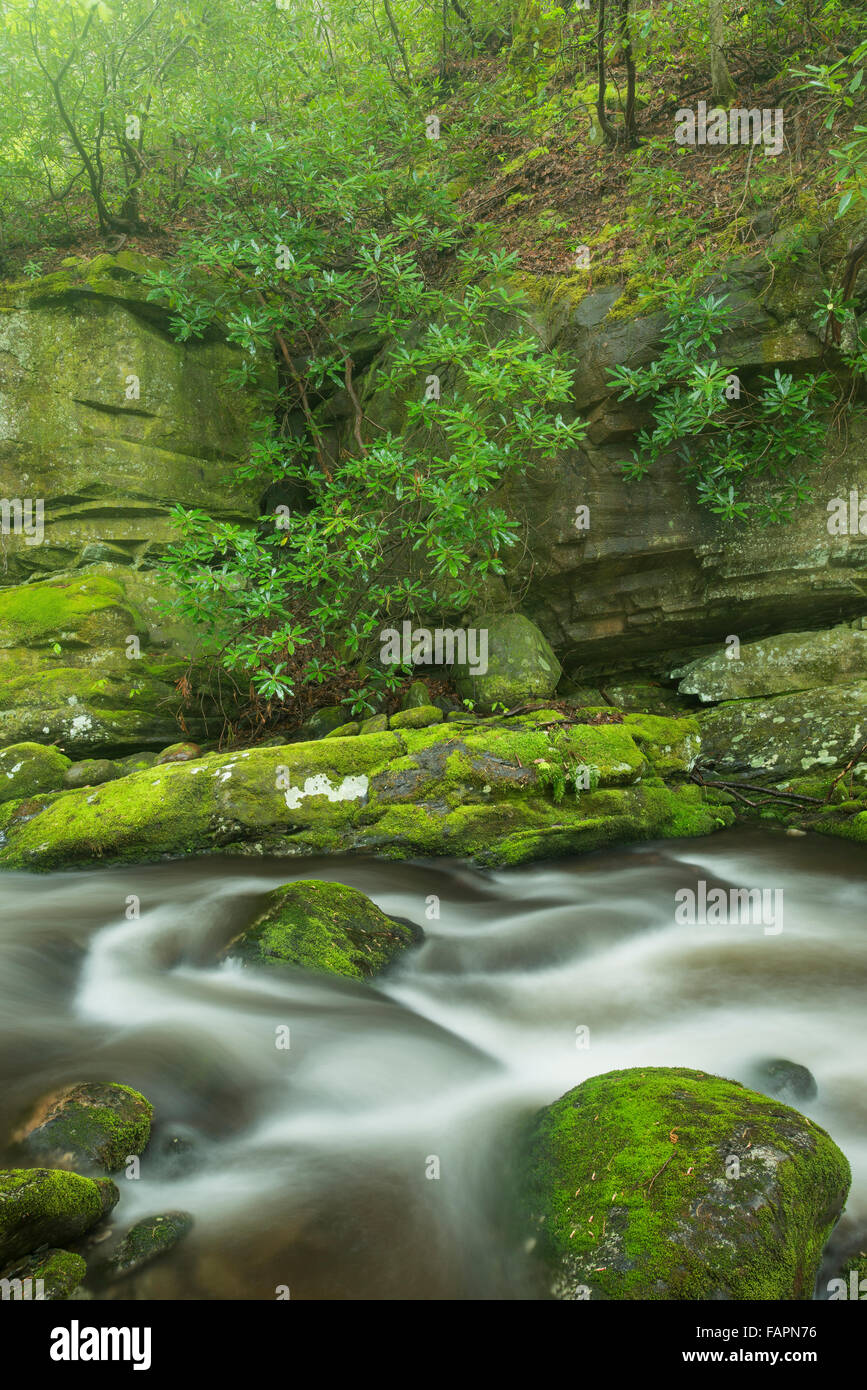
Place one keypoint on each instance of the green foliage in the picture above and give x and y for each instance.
(723, 444)
(324, 259)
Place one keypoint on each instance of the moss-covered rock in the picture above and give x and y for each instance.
(416, 717)
(49, 1276)
(41, 1206)
(350, 730)
(521, 664)
(92, 1125)
(178, 753)
(500, 791)
(792, 661)
(321, 926)
(27, 768)
(416, 696)
(88, 661)
(91, 772)
(149, 1238)
(668, 1183)
(376, 724)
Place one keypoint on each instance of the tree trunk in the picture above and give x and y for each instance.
(721, 82)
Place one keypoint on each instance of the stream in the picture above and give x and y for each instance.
(372, 1157)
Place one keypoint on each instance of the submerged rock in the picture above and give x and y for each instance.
(788, 1081)
(49, 1276)
(521, 665)
(27, 768)
(48, 1206)
(94, 1124)
(668, 1183)
(322, 926)
(143, 1242)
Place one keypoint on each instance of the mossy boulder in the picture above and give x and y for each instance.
(321, 722)
(350, 730)
(27, 768)
(50, 1276)
(91, 772)
(787, 735)
(322, 926)
(416, 717)
(794, 661)
(40, 1206)
(499, 791)
(416, 696)
(667, 1183)
(91, 1125)
(521, 664)
(376, 724)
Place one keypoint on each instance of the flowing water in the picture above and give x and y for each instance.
(311, 1168)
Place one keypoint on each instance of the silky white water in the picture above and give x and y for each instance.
(372, 1157)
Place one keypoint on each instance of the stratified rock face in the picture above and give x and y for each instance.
(654, 571)
(521, 664)
(792, 661)
(109, 421)
(41, 1206)
(93, 1125)
(321, 926)
(88, 661)
(667, 1183)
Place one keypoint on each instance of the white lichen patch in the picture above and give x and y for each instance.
(350, 789)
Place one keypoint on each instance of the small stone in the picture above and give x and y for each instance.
(793, 830)
(416, 697)
(91, 772)
(178, 753)
(145, 1241)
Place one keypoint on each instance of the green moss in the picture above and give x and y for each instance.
(27, 768)
(420, 717)
(321, 926)
(147, 1239)
(55, 1273)
(631, 1183)
(93, 1124)
(47, 1205)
